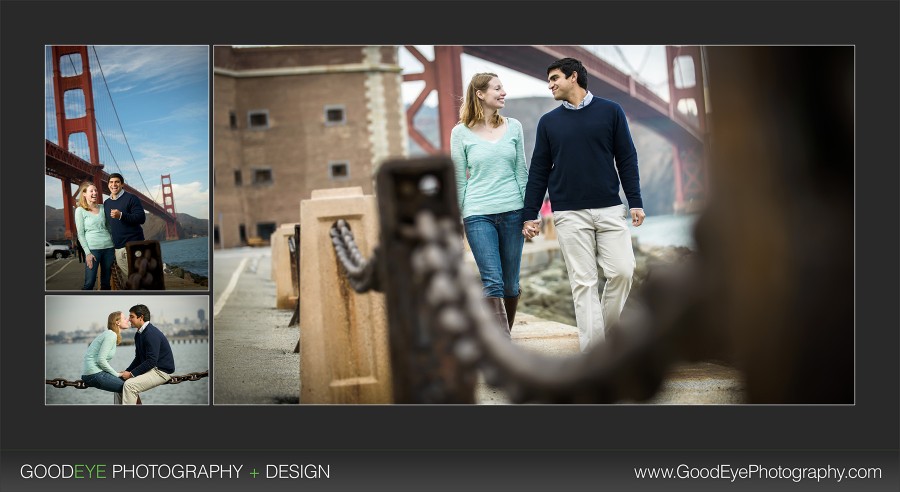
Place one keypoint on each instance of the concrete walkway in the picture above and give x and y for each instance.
(68, 274)
(254, 362)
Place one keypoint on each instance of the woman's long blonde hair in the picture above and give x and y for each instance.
(82, 200)
(470, 112)
(112, 323)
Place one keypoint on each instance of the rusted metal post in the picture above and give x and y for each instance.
(145, 266)
(777, 240)
(294, 247)
(424, 367)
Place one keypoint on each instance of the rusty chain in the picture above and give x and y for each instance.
(630, 366)
(454, 295)
(361, 272)
(79, 384)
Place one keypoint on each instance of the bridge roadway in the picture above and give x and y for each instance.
(253, 347)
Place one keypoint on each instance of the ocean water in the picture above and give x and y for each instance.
(190, 254)
(666, 230)
(64, 360)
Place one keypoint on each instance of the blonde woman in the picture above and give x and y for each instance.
(488, 151)
(96, 370)
(94, 237)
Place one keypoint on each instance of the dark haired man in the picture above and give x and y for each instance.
(582, 149)
(124, 215)
(153, 362)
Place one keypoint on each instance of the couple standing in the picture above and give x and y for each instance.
(153, 362)
(583, 150)
(105, 227)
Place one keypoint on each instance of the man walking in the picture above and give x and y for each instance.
(153, 362)
(124, 214)
(582, 149)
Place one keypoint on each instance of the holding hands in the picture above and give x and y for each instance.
(531, 228)
(115, 213)
(125, 375)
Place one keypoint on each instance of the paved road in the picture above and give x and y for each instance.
(253, 347)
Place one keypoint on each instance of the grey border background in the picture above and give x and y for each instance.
(234, 432)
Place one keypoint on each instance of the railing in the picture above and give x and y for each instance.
(79, 384)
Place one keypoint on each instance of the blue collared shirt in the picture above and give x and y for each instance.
(584, 102)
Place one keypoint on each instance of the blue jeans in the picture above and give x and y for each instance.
(105, 381)
(104, 259)
(496, 241)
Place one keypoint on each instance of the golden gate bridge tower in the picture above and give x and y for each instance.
(169, 204)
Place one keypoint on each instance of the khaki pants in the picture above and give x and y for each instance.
(593, 241)
(139, 384)
(122, 261)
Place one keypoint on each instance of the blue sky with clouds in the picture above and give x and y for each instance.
(161, 99)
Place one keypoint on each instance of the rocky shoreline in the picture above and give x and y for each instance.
(179, 272)
(547, 294)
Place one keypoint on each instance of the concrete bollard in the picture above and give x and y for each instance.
(344, 351)
(285, 294)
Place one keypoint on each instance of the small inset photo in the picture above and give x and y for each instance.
(127, 350)
(127, 168)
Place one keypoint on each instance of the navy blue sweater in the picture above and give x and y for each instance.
(151, 349)
(576, 155)
(128, 228)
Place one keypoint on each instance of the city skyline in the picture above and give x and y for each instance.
(72, 313)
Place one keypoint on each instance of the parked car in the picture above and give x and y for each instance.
(56, 250)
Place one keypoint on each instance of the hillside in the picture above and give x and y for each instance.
(154, 228)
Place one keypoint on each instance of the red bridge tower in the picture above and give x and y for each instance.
(169, 204)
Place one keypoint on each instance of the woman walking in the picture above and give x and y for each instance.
(488, 151)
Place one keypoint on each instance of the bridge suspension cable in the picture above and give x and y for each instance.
(127, 145)
(645, 60)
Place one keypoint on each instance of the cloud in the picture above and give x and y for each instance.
(156, 158)
(190, 198)
(188, 112)
(153, 68)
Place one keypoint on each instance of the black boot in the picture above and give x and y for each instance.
(511, 303)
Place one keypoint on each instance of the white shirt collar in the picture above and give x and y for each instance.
(584, 102)
(141, 329)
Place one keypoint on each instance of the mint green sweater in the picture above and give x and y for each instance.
(92, 231)
(99, 353)
(496, 171)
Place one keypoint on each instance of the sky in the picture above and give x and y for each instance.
(646, 63)
(160, 97)
(70, 313)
